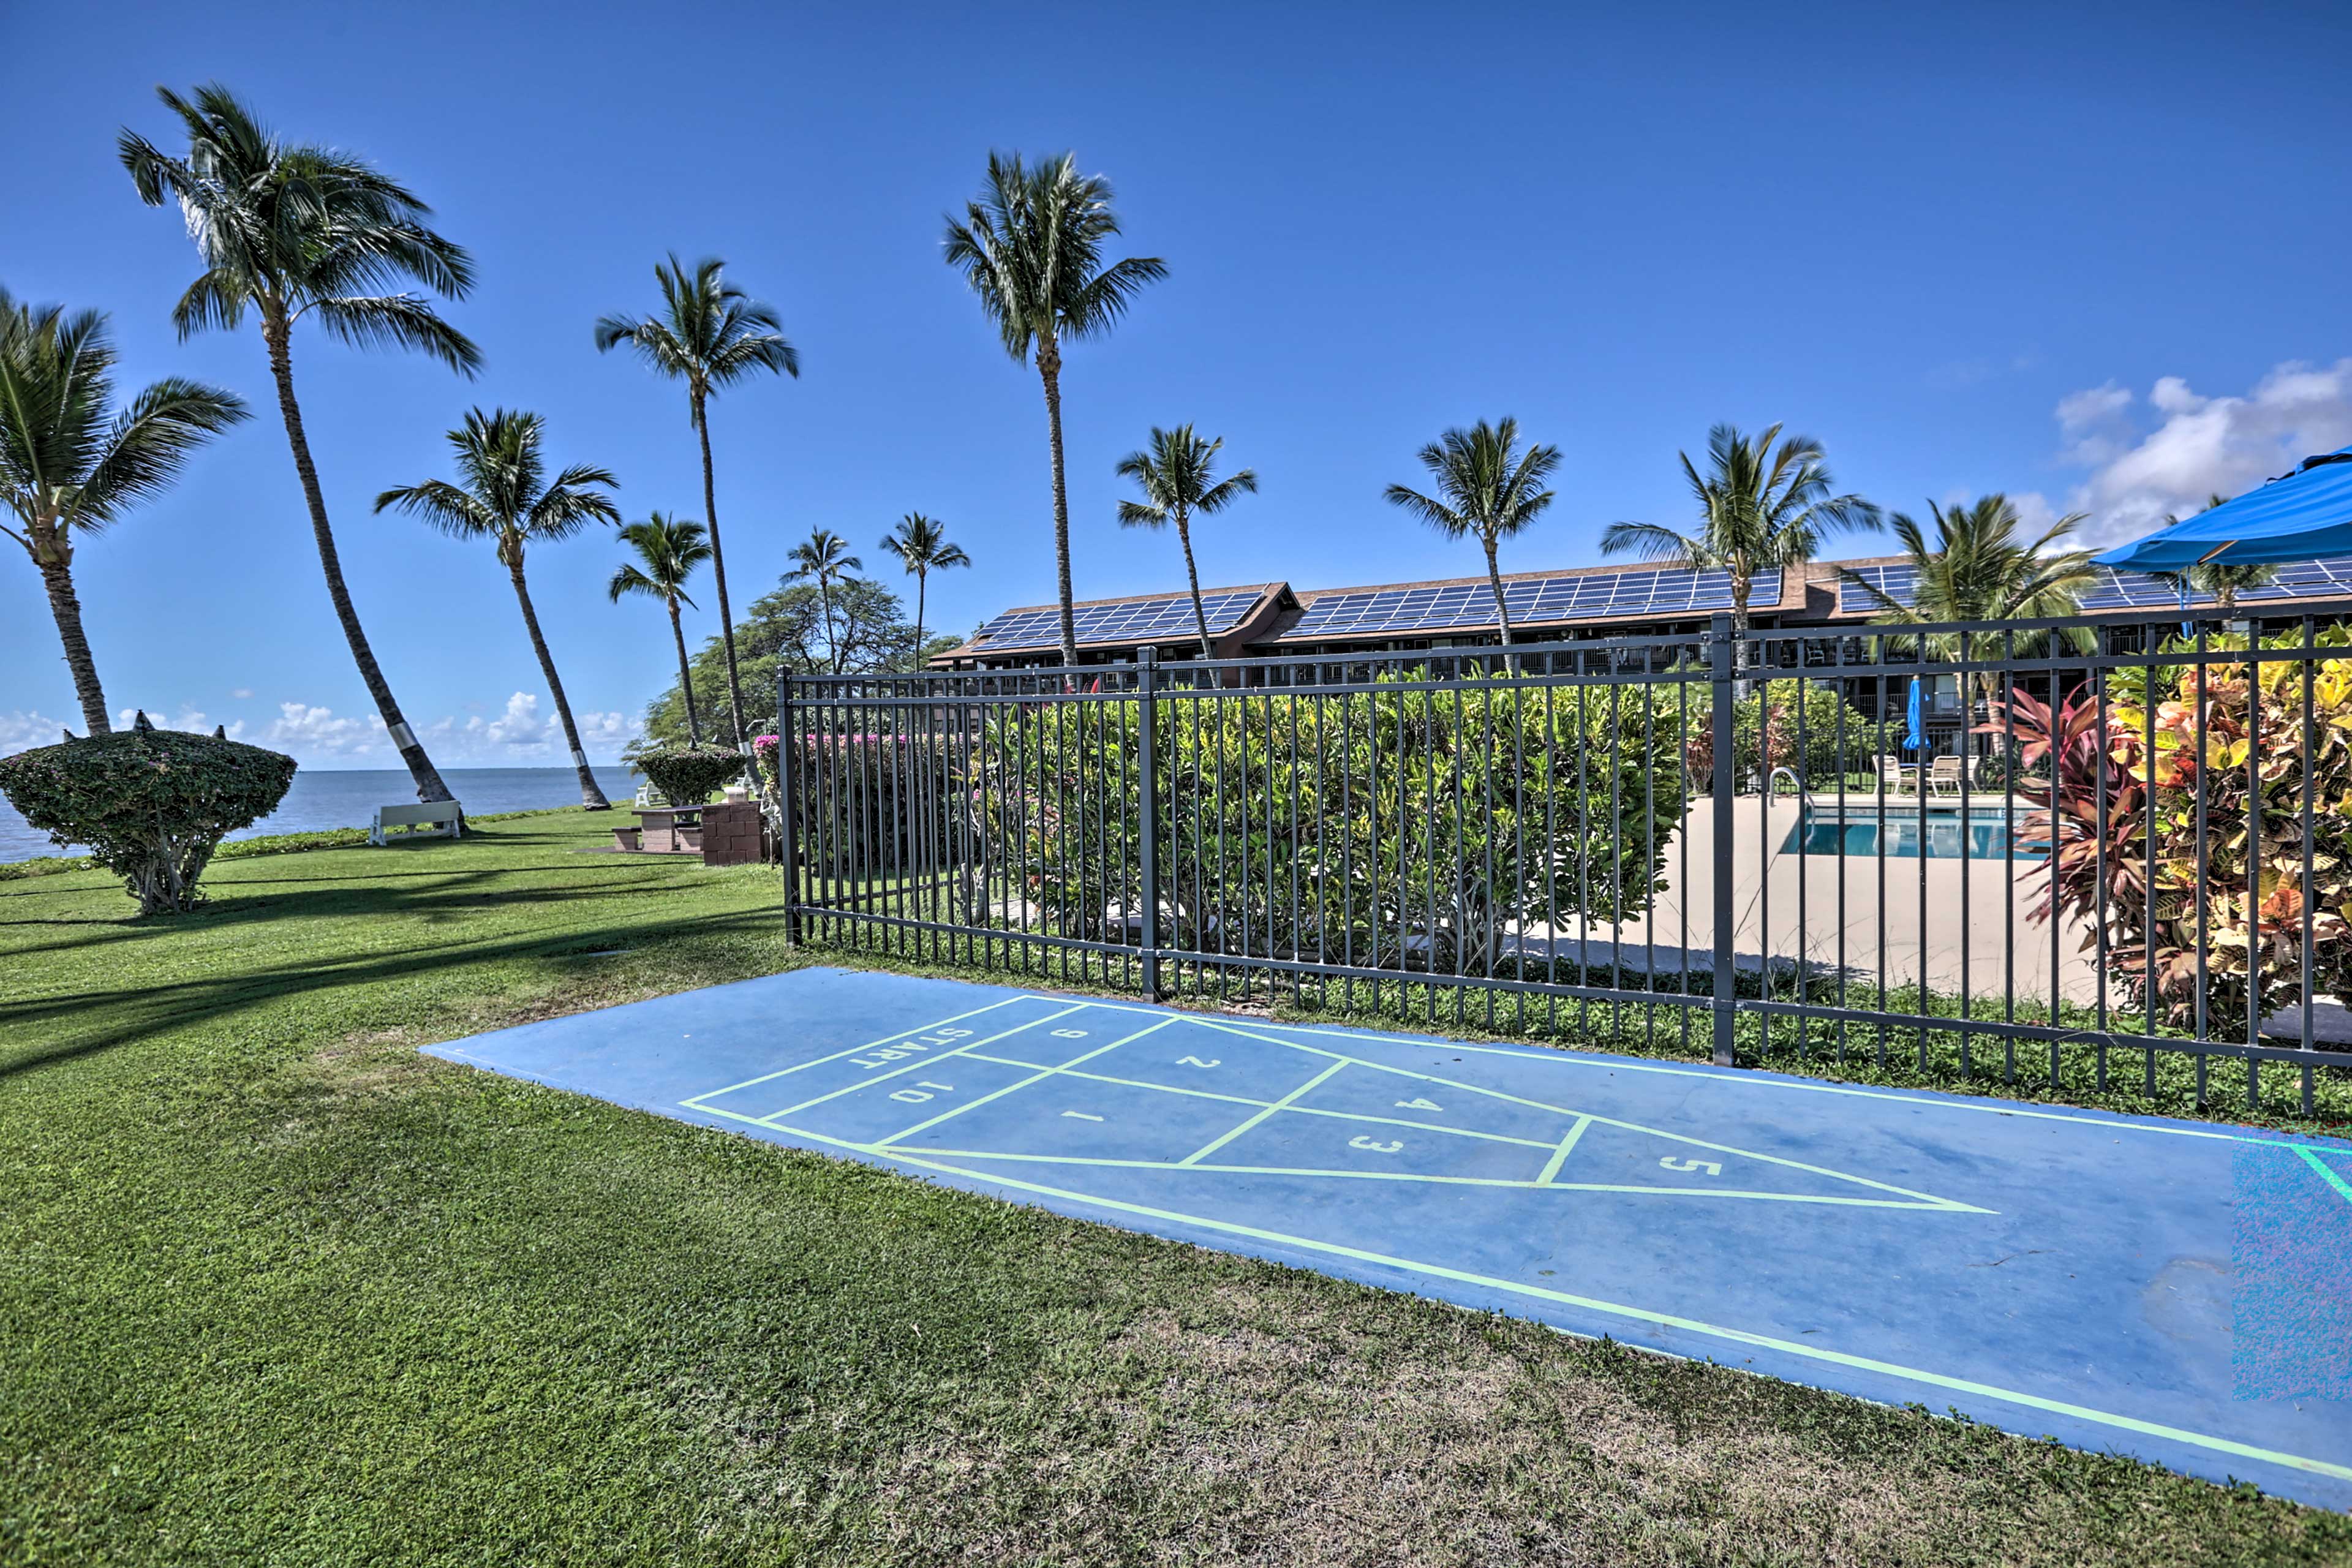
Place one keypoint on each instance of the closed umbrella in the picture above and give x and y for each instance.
(1915, 712)
(2301, 516)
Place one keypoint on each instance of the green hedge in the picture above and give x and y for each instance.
(687, 774)
(153, 805)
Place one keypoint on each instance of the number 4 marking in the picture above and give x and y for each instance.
(1710, 1166)
(1418, 1105)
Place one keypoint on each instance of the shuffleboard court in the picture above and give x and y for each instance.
(2179, 1291)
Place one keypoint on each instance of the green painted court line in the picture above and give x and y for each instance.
(1122, 1082)
(1195, 1157)
(2311, 1157)
(869, 1046)
(1688, 1325)
(1038, 1077)
(1559, 1156)
(923, 1066)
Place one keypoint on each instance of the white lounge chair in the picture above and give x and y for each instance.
(1944, 775)
(1901, 777)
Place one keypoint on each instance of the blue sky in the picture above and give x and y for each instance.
(2093, 257)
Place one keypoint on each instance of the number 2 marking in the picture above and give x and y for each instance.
(1197, 1062)
(1418, 1105)
(1375, 1145)
(1710, 1166)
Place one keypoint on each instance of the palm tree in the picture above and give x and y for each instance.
(1759, 510)
(668, 549)
(921, 545)
(2225, 580)
(289, 230)
(1489, 493)
(502, 494)
(72, 463)
(823, 556)
(1981, 567)
(1031, 248)
(1176, 477)
(709, 334)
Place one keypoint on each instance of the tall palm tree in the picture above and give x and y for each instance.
(823, 557)
(708, 334)
(1981, 567)
(1176, 476)
(1031, 248)
(1760, 509)
(668, 549)
(1489, 493)
(72, 463)
(2225, 580)
(502, 494)
(921, 545)
(288, 230)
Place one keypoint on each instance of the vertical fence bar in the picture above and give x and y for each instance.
(1147, 768)
(1720, 651)
(787, 835)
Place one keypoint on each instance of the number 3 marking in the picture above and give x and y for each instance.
(1710, 1166)
(1376, 1147)
(1197, 1062)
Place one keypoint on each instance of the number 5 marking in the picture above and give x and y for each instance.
(1375, 1146)
(1197, 1062)
(1710, 1166)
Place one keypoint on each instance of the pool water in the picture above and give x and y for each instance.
(1987, 840)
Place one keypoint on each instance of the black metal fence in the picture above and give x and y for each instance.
(2130, 857)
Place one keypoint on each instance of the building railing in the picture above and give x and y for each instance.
(2128, 850)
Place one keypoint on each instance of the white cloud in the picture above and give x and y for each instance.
(23, 730)
(242, 692)
(2199, 446)
(523, 731)
(307, 732)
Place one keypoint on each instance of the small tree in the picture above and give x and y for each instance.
(668, 549)
(151, 805)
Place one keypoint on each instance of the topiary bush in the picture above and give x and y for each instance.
(687, 774)
(153, 805)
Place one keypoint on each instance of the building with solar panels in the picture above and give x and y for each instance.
(1275, 620)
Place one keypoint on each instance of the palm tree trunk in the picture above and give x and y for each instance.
(275, 330)
(685, 675)
(56, 576)
(1049, 370)
(1495, 580)
(922, 582)
(718, 571)
(1193, 576)
(832, 642)
(591, 794)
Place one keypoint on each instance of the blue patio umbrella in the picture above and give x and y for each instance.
(1915, 712)
(2300, 516)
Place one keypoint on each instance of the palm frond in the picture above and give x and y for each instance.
(399, 320)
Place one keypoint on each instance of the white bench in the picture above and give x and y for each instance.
(445, 819)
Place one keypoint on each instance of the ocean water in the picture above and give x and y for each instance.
(330, 797)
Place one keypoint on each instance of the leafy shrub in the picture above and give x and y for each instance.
(153, 805)
(2238, 743)
(870, 804)
(687, 774)
(1802, 725)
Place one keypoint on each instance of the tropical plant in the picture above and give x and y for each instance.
(708, 334)
(1177, 475)
(1981, 567)
(2172, 812)
(153, 805)
(72, 463)
(687, 774)
(921, 545)
(1761, 508)
(668, 549)
(288, 230)
(1489, 493)
(1031, 248)
(502, 494)
(823, 558)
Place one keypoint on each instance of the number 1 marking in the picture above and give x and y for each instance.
(1082, 1116)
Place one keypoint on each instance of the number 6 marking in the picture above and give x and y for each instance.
(1710, 1166)
(1197, 1062)
(1376, 1147)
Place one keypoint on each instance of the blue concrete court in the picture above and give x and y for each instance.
(2175, 1290)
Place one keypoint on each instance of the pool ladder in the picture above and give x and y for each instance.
(1772, 784)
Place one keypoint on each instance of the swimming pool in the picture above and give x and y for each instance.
(1988, 836)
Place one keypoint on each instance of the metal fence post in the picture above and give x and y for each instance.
(787, 830)
(1147, 767)
(1722, 666)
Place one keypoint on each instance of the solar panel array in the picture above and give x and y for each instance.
(2111, 589)
(1133, 620)
(1533, 601)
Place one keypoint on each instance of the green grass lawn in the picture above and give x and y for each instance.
(275, 1288)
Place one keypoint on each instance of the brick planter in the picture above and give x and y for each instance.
(733, 835)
